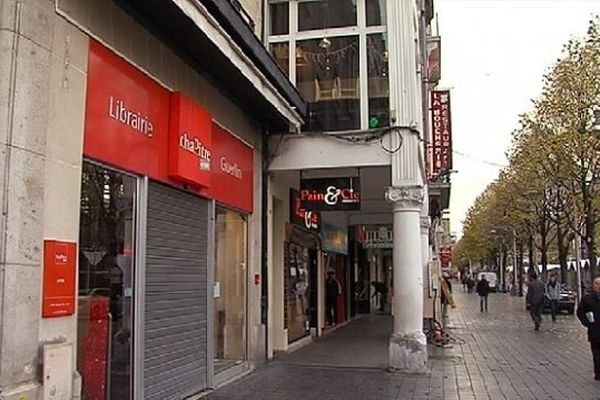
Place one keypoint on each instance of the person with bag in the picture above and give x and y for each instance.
(535, 300)
(553, 294)
(588, 312)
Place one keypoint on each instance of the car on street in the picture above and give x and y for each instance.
(492, 279)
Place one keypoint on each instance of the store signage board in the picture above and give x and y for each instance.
(334, 239)
(330, 194)
(126, 115)
(135, 124)
(190, 142)
(440, 150)
(232, 171)
(59, 278)
(310, 220)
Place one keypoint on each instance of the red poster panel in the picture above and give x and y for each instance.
(232, 171)
(190, 137)
(440, 149)
(126, 116)
(59, 278)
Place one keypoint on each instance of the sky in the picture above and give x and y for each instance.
(494, 56)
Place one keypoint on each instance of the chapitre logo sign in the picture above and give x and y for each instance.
(196, 147)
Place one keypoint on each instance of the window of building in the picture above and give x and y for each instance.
(378, 81)
(282, 54)
(327, 75)
(106, 282)
(280, 18)
(229, 289)
(339, 61)
(376, 12)
(322, 14)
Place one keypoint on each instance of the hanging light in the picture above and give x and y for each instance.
(325, 43)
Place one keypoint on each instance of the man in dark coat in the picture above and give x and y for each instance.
(483, 289)
(332, 291)
(588, 313)
(535, 300)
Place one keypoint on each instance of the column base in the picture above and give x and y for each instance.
(408, 353)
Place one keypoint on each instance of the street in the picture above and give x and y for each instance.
(494, 355)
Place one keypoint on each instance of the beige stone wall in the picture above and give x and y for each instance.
(254, 9)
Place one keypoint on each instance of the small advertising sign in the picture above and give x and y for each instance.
(433, 59)
(59, 278)
(333, 239)
(330, 194)
(310, 220)
(440, 150)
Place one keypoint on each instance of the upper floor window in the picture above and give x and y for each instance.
(322, 14)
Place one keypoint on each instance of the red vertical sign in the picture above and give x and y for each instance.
(440, 149)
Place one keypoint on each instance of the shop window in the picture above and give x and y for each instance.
(378, 81)
(106, 282)
(229, 289)
(322, 14)
(376, 12)
(280, 18)
(327, 76)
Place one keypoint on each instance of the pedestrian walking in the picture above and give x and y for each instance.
(381, 290)
(332, 290)
(483, 289)
(588, 313)
(535, 300)
(553, 294)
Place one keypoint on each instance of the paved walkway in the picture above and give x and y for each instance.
(496, 355)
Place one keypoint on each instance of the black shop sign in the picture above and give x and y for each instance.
(330, 194)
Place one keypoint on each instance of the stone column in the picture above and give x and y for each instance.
(407, 346)
(26, 32)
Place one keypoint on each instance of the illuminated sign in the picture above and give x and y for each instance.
(330, 194)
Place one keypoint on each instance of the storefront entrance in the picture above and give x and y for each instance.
(106, 284)
(229, 289)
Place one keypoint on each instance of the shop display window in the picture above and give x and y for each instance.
(229, 289)
(106, 282)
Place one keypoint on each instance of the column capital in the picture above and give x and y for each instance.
(406, 196)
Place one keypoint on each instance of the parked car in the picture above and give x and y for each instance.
(492, 279)
(566, 302)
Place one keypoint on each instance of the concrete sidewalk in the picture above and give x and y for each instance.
(496, 355)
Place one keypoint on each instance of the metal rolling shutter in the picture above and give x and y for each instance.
(175, 319)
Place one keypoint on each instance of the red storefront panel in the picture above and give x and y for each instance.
(136, 125)
(233, 171)
(126, 117)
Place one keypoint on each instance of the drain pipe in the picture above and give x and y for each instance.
(264, 304)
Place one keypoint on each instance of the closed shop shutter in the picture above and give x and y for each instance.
(175, 319)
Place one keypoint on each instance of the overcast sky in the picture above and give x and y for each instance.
(494, 55)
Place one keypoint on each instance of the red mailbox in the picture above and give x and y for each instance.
(59, 278)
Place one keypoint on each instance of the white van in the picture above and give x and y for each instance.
(492, 279)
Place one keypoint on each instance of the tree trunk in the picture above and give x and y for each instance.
(532, 263)
(590, 242)
(520, 268)
(563, 251)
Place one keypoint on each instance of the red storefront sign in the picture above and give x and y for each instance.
(190, 153)
(59, 278)
(133, 123)
(440, 149)
(232, 171)
(126, 116)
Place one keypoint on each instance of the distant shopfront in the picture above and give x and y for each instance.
(165, 196)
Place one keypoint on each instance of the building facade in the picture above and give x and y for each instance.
(132, 169)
